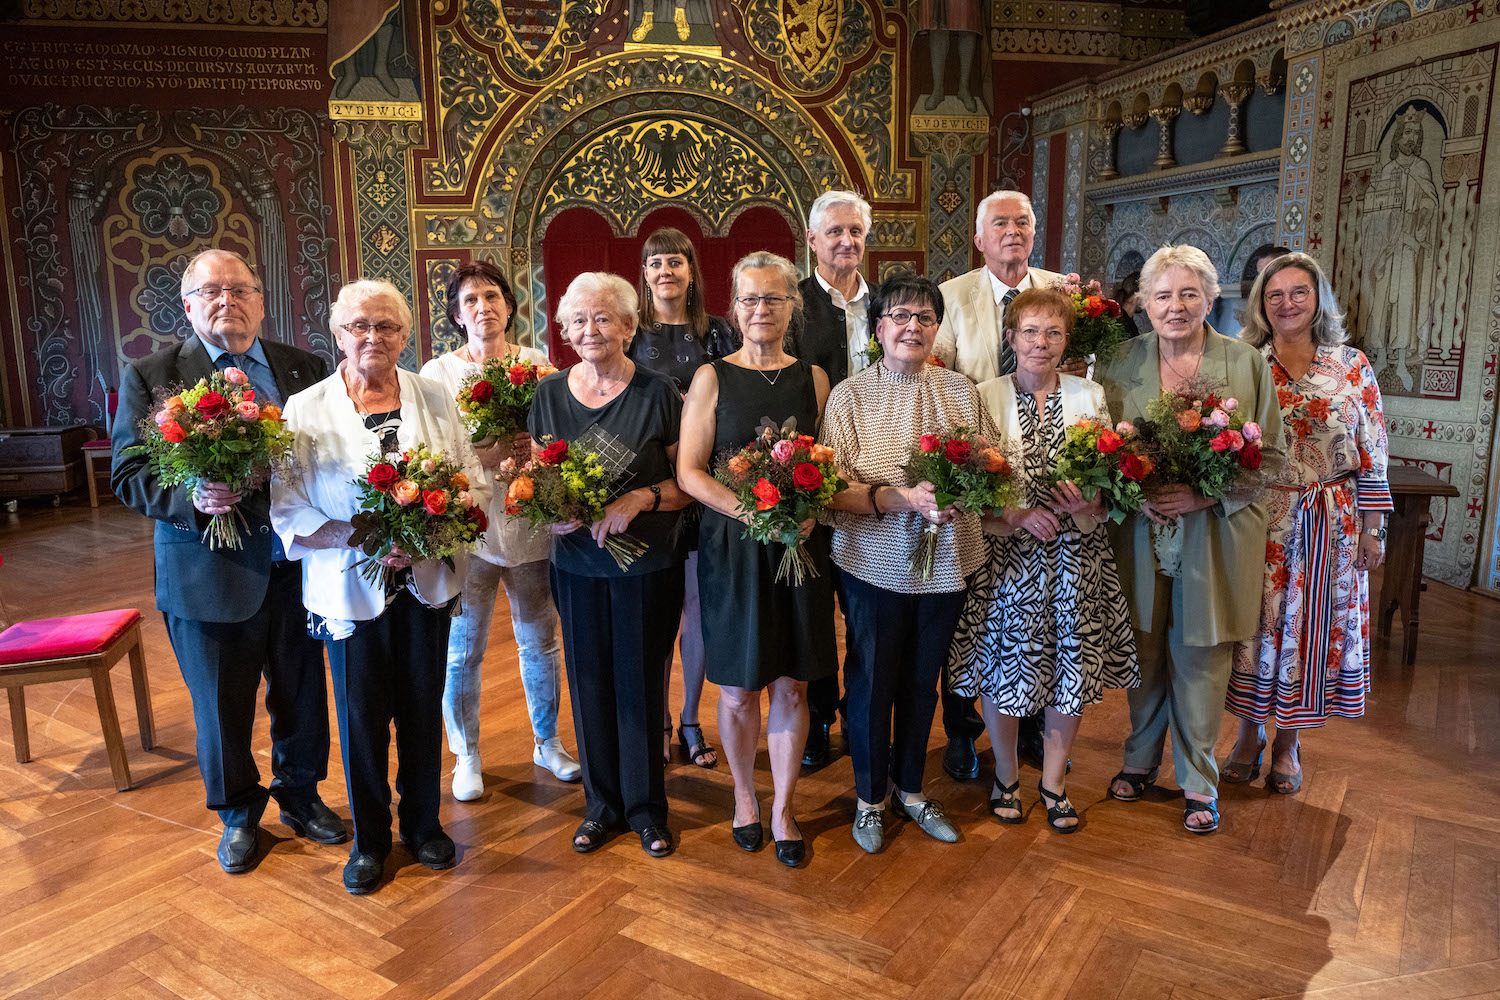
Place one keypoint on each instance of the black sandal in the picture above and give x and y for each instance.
(1063, 810)
(1008, 799)
(1137, 783)
(697, 748)
(1194, 806)
(651, 835)
(594, 834)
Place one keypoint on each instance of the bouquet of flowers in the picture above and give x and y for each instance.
(419, 500)
(564, 484)
(781, 479)
(1203, 441)
(496, 400)
(1115, 461)
(968, 472)
(216, 432)
(1097, 328)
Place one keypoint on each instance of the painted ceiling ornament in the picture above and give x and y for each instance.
(810, 41)
(533, 37)
(811, 28)
(176, 199)
(668, 157)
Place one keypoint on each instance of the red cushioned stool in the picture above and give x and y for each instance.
(64, 649)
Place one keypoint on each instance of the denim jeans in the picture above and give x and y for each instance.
(534, 622)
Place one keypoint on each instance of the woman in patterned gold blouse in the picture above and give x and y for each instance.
(899, 624)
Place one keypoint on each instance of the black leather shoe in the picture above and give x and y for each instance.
(316, 822)
(960, 759)
(362, 873)
(819, 749)
(436, 852)
(750, 837)
(791, 852)
(237, 849)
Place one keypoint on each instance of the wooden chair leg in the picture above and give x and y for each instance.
(109, 722)
(93, 481)
(144, 718)
(18, 723)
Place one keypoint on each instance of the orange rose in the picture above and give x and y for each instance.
(459, 481)
(521, 488)
(1189, 420)
(435, 501)
(993, 460)
(406, 492)
(175, 404)
(270, 411)
(739, 465)
(821, 453)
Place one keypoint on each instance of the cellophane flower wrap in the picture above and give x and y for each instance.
(417, 499)
(780, 480)
(1097, 327)
(217, 432)
(967, 472)
(496, 400)
(1113, 461)
(563, 484)
(1200, 439)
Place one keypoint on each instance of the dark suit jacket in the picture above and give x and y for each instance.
(193, 581)
(820, 338)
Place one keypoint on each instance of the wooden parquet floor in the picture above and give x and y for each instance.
(1380, 879)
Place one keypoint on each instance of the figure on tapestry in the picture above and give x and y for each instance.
(956, 26)
(1399, 223)
(672, 22)
(382, 69)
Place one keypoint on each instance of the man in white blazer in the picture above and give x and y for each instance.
(971, 339)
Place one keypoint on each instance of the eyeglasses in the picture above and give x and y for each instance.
(751, 302)
(1033, 336)
(363, 327)
(1297, 295)
(927, 318)
(210, 292)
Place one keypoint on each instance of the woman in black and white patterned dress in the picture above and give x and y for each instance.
(1045, 625)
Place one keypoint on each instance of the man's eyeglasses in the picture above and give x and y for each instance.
(750, 302)
(926, 318)
(1297, 295)
(363, 327)
(210, 292)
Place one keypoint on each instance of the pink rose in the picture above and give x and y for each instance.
(1251, 430)
(783, 450)
(1230, 404)
(247, 412)
(1236, 440)
(235, 376)
(1218, 418)
(1125, 428)
(1072, 278)
(465, 498)
(508, 465)
(429, 466)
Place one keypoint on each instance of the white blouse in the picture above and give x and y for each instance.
(333, 450)
(511, 541)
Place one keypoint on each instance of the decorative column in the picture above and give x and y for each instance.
(272, 235)
(1110, 129)
(1165, 116)
(1235, 95)
(954, 145)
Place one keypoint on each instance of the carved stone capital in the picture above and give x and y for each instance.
(1135, 119)
(1166, 114)
(1199, 103)
(1236, 93)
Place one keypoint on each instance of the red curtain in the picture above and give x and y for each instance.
(580, 239)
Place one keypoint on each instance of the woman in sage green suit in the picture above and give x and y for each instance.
(1188, 616)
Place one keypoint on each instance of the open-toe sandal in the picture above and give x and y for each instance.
(1058, 808)
(690, 735)
(1276, 779)
(1195, 806)
(593, 833)
(1137, 783)
(1237, 772)
(651, 835)
(1008, 799)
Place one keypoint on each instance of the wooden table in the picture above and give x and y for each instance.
(1405, 543)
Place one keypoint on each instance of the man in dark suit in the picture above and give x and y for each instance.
(232, 614)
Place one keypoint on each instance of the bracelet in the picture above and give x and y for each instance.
(879, 514)
(655, 498)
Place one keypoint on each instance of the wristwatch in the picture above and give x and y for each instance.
(656, 498)
(1376, 532)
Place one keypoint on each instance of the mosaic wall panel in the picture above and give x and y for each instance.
(1040, 165)
(1072, 202)
(950, 224)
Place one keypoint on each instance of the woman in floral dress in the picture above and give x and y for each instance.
(1310, 658)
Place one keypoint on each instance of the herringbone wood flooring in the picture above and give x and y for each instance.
(1380, 879)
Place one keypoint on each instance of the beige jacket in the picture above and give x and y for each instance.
(969, 339)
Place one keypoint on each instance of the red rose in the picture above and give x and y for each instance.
(957, 452)
(1093, 305)
(517, 374)
(1250, 456)
(1133, 468)
(767, 495)
(172, 431)
(929, 443)
(382, 476)
(436, 501)
(480, 391)
(1111, 307)
(479, 517)
(1211, 402)
(806, 476)
(1110, 442)
(211, 405)
(554, 453)
(1221, 441)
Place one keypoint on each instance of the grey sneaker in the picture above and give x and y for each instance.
(869, 829)
(928, 815)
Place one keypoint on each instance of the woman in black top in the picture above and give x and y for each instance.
(617, 625)
(675, 336)
(764, 634)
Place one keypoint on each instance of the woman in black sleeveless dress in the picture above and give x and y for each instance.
(763, 634)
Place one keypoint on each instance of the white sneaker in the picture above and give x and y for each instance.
(468, 782)
(551, 755)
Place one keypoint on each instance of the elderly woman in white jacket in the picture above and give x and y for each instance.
(386, 644)
(1045, 628)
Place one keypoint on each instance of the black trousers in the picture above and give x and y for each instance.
(616, 632)
(898, 646)
(392, 669)
(222, 664)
